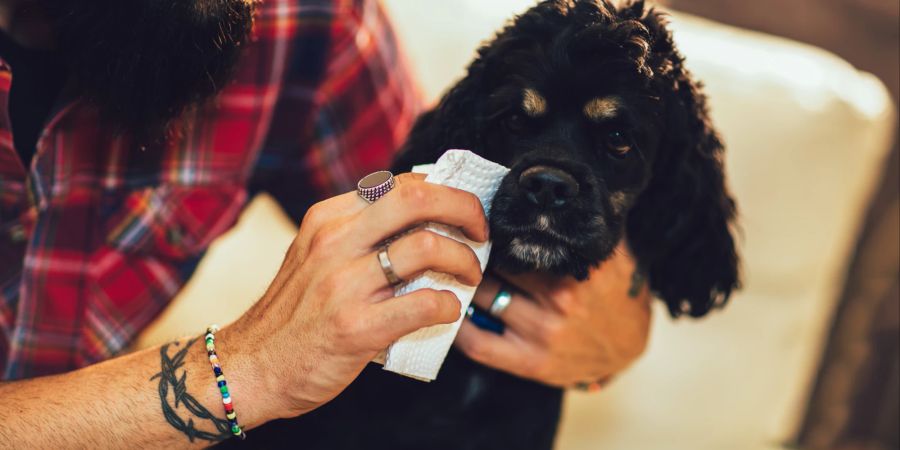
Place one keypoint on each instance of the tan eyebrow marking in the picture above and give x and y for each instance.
(602, 108)
(533, 103)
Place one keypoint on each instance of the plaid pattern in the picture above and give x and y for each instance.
(99, 234)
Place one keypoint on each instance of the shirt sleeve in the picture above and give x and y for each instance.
(347, 102)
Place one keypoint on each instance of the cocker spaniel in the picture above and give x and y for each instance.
(608, 137)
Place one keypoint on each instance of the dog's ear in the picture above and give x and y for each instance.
(454, 123)
(459, 119)
(680, 226)
(420, 146)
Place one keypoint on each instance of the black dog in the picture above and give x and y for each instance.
(608, 137)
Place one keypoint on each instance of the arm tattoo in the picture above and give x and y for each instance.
(173, 391)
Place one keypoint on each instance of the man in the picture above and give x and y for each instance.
(145, 126)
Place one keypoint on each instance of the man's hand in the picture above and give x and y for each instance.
(326, 314)
(560, 331)
(330, 309)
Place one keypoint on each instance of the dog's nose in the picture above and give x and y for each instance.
(547, 186)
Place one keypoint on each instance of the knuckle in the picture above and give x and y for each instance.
(414, 195)
(314, 215)
(328, 238)
(438, 305)
(450, 305)
(321, 240)
(427, 242)
(407, 177)
(428, 303)
(548, 330)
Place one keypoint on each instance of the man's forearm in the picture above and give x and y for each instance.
(160, 397)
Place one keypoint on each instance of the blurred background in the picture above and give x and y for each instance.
(853, 399)
(807, 355)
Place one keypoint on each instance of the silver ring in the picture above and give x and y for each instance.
(387, 267)
(501, 301)
(374, 185)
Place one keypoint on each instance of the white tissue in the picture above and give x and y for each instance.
(420, 354)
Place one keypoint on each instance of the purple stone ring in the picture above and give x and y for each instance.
(374, 185)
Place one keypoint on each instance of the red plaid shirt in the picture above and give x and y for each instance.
(98, 235)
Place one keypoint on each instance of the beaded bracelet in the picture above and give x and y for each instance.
(220, 381)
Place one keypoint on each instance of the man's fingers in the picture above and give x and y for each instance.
(417, 252)
(538, 285)
(523, 314)
(506, 352)
(551, 291)
(415, 202)
(399, 180)
(340, 207)
(486, 291)
(409, 176)
(424, 250)
(396, 317)
(327, 211)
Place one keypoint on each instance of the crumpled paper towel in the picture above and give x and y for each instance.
(420, 354)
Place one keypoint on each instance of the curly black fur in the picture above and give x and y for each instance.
(666, 196)
(679, 211)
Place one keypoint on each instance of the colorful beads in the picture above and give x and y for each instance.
(210, 339)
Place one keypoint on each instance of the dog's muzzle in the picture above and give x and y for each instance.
(548, 187)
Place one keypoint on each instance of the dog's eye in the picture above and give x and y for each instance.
(618, 143)
(514, 122)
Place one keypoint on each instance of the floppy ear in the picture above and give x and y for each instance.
(679, 227)
(454, 123)
(459, 119)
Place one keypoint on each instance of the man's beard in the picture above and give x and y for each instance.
(144, 62)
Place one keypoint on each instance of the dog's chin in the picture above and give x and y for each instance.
(541, 251)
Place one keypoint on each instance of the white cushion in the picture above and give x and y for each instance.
(806, 135)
